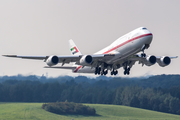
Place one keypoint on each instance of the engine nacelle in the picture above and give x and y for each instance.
(150, 60)
(164, 61)
(52, 60)
(86, 60)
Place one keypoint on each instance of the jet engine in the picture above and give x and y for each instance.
(86, 60)
(164, 61)
(52, 60)
(150, 60)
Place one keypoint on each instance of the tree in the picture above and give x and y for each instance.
(174, 105)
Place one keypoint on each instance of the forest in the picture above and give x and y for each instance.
(158, 93)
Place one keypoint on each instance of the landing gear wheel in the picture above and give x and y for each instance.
(105, 72)
(114, 72)
(96, 71)
(143, 55)
(99, 70)
(126, 71)
(102, 73)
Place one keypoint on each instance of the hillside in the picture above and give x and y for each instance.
(33, 111)
(158, 93)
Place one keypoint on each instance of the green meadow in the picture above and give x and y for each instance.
(33, 111)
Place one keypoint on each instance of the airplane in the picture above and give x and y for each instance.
(122, 53)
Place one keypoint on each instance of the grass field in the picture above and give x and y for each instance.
(33, 111)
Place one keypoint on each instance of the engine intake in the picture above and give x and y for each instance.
(150, 60)
(86, 60)
(52, 60)
(164, 61)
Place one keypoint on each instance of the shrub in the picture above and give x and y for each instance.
(68, 108)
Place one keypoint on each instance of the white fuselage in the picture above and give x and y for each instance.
(124, 47)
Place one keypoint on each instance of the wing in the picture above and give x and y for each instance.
(62, 59)
(67, 58)
(151, 60)
(27, 57)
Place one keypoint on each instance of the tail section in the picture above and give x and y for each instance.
(73, 48)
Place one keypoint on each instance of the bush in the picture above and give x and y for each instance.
(68, 108)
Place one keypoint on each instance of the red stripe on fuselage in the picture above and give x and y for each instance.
(127, 42)
(77, 68)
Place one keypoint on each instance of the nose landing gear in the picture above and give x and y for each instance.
(145, 46)
(143, 54)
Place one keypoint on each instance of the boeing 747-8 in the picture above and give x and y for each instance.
(121, 53)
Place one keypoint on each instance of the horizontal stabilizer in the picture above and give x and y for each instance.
(61, 67)
(174, 57)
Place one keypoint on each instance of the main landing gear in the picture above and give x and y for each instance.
(127, 71)
(97, 71)
(127, 67)
(114, 72)
(100, 72)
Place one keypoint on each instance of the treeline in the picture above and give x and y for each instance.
(149, 98)
(158, 99)
(163, 81)
(69, 108)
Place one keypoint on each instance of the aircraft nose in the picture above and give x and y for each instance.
(147, 34)
(149, 37)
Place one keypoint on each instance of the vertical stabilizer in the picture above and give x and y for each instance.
(73, 48)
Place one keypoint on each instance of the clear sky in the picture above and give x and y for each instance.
(43, 27)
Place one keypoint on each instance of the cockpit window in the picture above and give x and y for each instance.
(144, 28)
